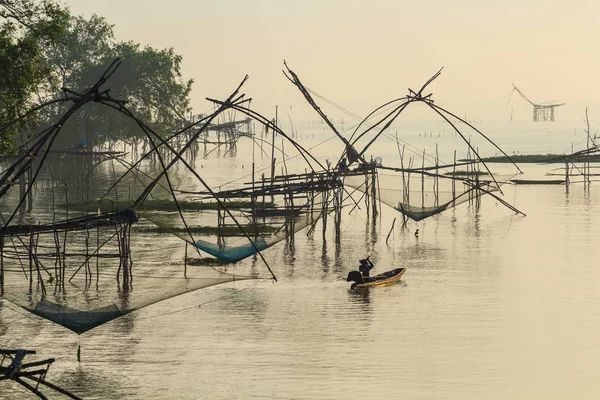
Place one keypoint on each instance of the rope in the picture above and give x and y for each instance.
(511, 217)
(5, 304)
(201, 304)
(411, 147)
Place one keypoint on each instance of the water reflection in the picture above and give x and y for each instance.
(289, 251)
(587, 198)
(338, 261)
(4, 321)
(94, 383)
(361, 296)
(474, 292)
(324, 257)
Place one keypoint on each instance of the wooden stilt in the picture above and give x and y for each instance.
(1, 265)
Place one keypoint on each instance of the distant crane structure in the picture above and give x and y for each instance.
(541, 112)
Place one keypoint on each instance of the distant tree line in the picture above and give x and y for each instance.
(44, 48)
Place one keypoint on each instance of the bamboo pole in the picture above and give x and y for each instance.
(57, 258)
(1, 265)
(436, 182)
(97, 256)
(391, 230)
(454, 180)
(30, 262)
(423, 182)
(30, 191)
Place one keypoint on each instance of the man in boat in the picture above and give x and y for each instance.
(343, 167)
(365, 266)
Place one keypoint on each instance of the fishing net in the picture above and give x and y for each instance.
(78, 273)
(256, 231)
(96, 290)
(419, 196)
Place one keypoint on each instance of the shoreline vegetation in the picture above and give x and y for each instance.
(167, 205)
(540, 158)
(207, 262)
(466, 173)
(251, 229)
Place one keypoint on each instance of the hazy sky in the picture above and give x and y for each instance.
(360, 54)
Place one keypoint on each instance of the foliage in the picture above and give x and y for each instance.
(43, 48)
(250, 229)
(541, 158)
(27, 30)
(149, 79)
(206, 261)
(466, 173)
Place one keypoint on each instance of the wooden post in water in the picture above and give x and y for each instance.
(436, 183)
(253, 196)
(219, 219)
(291, 216)
(56, 257)
(263, 190)
(410, 165)
(1, 265)
(97, 254)
(185, 258)
(88, 271)
(470, 169)
(324, 211)
(64, 260)
(21, 140)
(338, 213)
(273, 148)
(454, 180)
(404, 188)
(423, 180)
(118, 236)
(477, 171)
(124, 256)
(374, 191)
(30, 187)
(312, 192)
(30, 252)
(129, 258)
(40, 280)
(368, 208)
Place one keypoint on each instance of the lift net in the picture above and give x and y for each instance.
(95, 289)
(96, 294)
(84, 250)
(264, 229)
(419, 196)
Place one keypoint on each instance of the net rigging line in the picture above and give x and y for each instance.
(278, 163)
(412, 97)
(310, 148)
(416, 151)
(411, 147)
(253, 286)
(288, 159)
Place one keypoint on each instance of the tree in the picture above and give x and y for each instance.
(43, 48)
(149, 79)
(27, 30)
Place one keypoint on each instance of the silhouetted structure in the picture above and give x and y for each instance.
(541, 112)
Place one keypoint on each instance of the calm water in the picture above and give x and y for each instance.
(492, 305)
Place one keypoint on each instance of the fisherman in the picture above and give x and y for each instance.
(365, 266)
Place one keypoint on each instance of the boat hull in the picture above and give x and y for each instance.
(383, 279)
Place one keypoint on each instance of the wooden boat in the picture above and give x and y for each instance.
(383, 279)
(538, 182)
